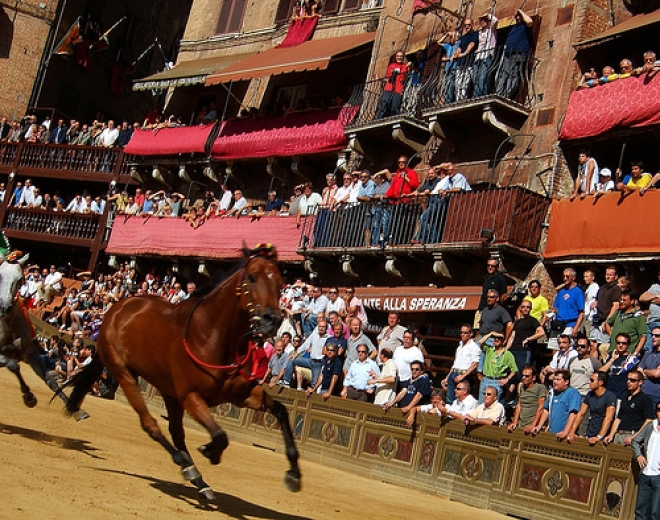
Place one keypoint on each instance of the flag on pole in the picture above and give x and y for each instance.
(70, 40)
(102, 43)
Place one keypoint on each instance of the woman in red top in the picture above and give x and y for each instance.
(390, 103)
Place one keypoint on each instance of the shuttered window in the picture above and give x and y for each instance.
(331, 6)
(352, 5)
(231, 16)
(284, 10)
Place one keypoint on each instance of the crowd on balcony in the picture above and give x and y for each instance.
(26, 195)
(99, 133)
(594, 181)
(460, 65)
(592, 78)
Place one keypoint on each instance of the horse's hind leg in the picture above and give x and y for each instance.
(132, 393)
(260, 400)
(188, 468)
(28, 397)
(199, 410)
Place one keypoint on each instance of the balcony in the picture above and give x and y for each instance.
(74, 229)
(368, 238)
(81, 163)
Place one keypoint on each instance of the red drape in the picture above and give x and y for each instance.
(216, 238)
(169, 141)
(298, 134)
(624, 103)
(299, 31)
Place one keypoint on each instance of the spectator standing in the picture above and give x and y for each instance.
(464, 57)
(335, 303)
(109, 135)
(652, 297)
(404, 357)
(386, 381)
(561, 407)
(518, 46)
(569, 306)
(629, 321)
(531, 399)
(317, 303)
(648, 489)
(27, 197)
(600, 404)
(561, 359)
(395, 77)
(590, 300)
(487, 38)
(357, 384)
(583, 366)
(354, 307)
(58, 134)
(636, 410)
(619, 364)
(526, 332)
(607, 303)
(499, 365)
(356, 339)
(650, 366)
(494, 279)
(391, 336)
(466, 361)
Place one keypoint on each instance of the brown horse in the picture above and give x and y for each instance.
(198, 355)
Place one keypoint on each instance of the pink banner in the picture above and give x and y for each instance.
(220, 238)
(169, 141)
(624, 103)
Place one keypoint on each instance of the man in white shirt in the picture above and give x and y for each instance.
(590, 295)
(454, 182)
(240, 203)
(404, 356)
(314, 346)
(77, 205)
(309, 203)
(27, 195)
(648, 505)
(462, 405)
(466, 362)
(109, 135)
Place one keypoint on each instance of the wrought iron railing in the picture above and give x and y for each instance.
(494, 72)
(508, 215)
(82, 226)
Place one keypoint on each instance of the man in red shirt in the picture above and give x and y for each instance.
(404, 182)
(390, 104)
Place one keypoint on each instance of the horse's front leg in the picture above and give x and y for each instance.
(199, 410)
(29, 398)
(260, 400)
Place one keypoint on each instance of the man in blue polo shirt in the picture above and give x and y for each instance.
(560, 408)
(569, 306)
(518, 46)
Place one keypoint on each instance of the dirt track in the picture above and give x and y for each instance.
(107, 467)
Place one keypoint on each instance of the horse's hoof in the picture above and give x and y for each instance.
(292, 482)
(207, 493)
(190, 473)
(30, 400)
(81, 415)
(212, 454)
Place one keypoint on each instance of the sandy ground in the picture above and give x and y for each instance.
(107, 467)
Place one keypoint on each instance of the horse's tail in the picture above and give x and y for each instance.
(85, 379)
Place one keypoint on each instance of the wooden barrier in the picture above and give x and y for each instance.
(486, 467)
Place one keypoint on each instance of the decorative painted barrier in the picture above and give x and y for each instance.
(486, 467)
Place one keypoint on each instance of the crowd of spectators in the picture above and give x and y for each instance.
(464, 64)
(594, 181)
(26, 195)
(592, 78)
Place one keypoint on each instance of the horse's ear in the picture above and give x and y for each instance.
(246, 251)
(22, 260)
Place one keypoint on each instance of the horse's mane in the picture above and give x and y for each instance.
(217, 279)
(265, 250)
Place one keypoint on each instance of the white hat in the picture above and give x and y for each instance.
(606, 172)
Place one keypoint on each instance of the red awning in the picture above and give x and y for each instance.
(609, 227)
(169, 141)
(217, 238)
(420, 299)
(625, 103)
(310, 55)
(299, 134)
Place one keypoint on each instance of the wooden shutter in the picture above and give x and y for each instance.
(352, 5)
(236, 20)
(284, 10)
(331, 6)
(223, 21)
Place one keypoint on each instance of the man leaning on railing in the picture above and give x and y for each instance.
(518, 46)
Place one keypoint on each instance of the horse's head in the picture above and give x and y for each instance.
(261, 288)
(11, 276)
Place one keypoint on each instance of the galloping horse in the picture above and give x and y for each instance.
(17, 338)
(198, 354)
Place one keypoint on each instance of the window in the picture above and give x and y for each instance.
(231, 16)
(291, 95)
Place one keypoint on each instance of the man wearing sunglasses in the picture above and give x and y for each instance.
(635, 412)
(650, 365)
(648, 490)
